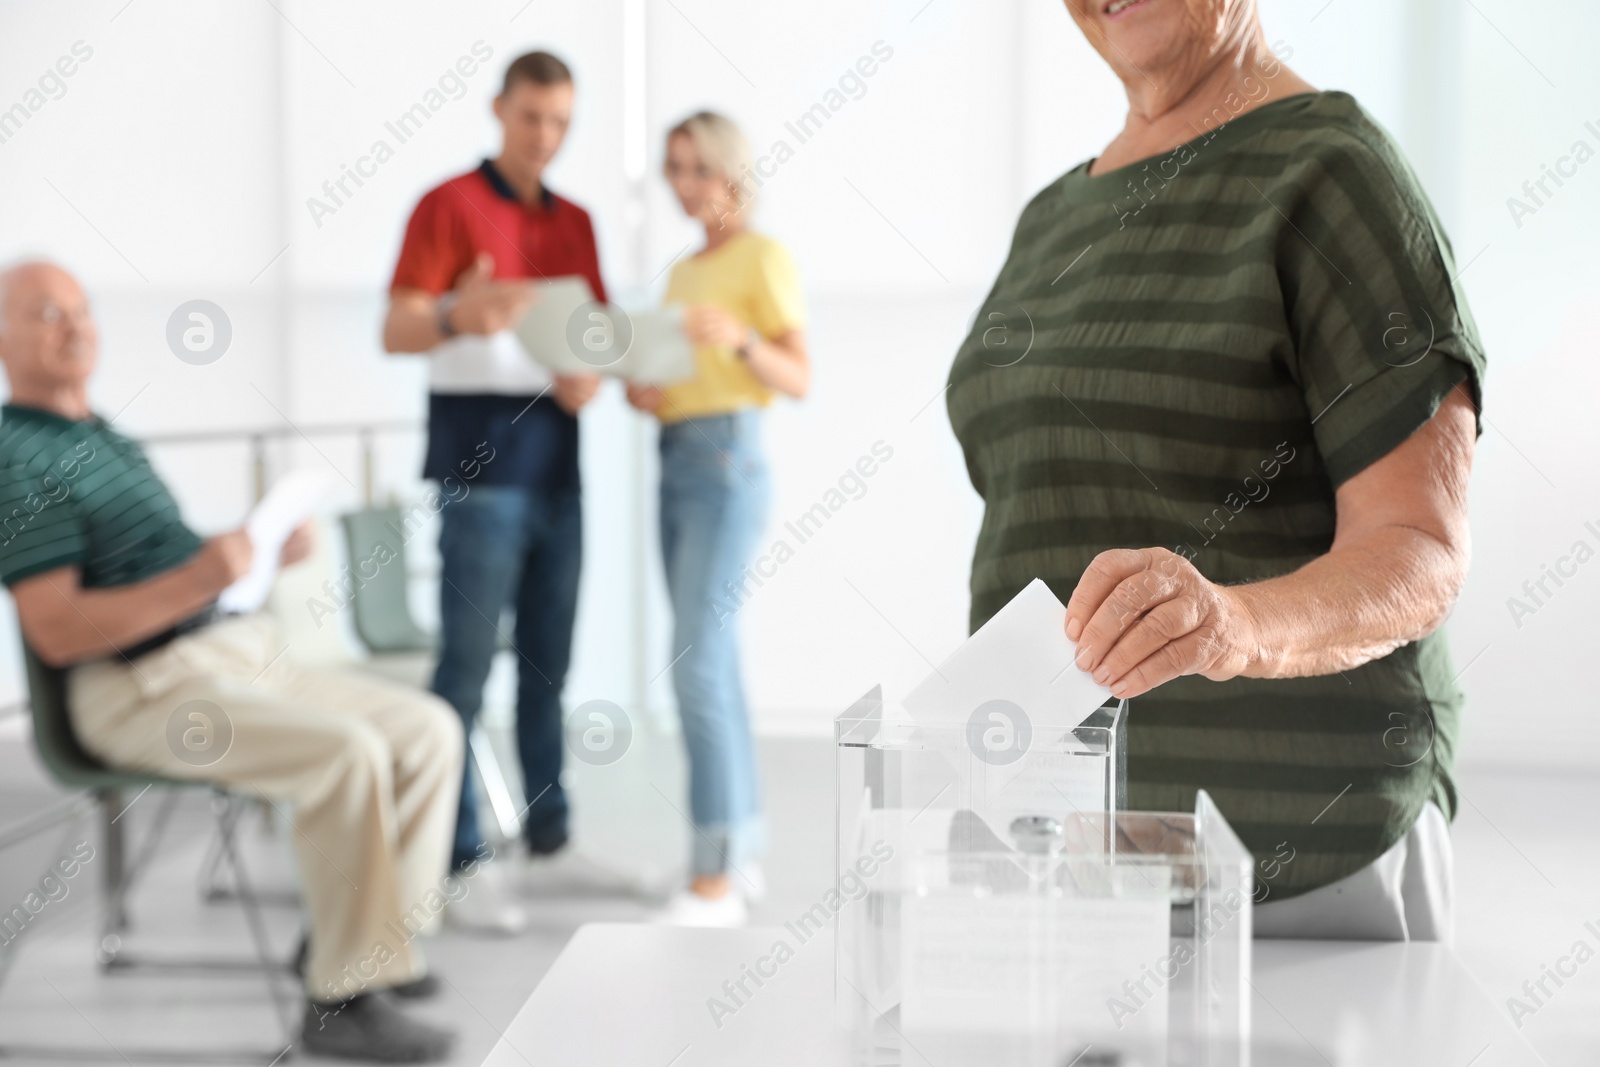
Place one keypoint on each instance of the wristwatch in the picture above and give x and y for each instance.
(752, 338)
(442, 308)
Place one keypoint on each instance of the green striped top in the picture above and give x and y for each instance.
(77, 493)
(1193, 352)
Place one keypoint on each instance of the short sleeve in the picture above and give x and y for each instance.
(591, 256)
(40, 528)
(433, 253)
(1380, 330)
(777, 300)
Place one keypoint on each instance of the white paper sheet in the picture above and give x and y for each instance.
(547, 327)
(569, 333)
(1021, 655)
(292, 499)
(660, 353)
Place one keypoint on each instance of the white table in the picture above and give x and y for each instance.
(635, 996)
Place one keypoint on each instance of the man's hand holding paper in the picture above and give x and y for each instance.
(276, 535)
(481, 305)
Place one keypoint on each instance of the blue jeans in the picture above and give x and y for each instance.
(509, 546)
(714, 493)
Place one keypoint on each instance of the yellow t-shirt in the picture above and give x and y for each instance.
(753, 278)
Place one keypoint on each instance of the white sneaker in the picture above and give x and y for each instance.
(572, 872)
(687, 908)
(488, 906)
(750, 880)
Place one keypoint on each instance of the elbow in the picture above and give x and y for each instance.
(55, 659)
(800, 381)
(1445, 580)
(391, 340)
(52, 645)
(394, 337)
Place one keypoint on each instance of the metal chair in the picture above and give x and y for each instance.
(73, 767)
(400, 649)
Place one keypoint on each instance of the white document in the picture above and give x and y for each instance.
(292, 499)
(660, 353)
(567, 331)
(1022, 656)
(547, 328)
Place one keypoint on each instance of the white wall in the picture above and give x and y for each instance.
(180, 159)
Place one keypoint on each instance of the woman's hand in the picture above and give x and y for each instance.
(646, 398)
(299, 544)
(707, 324)
(1142, 617)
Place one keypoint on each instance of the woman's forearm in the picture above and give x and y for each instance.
(1357, 603)
(782, 364)
(1142, 617)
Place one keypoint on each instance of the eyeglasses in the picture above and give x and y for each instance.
(55, 315)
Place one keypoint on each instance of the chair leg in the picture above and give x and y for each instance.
(151, 842)
(120, 875)
(114, 868)
(227, 810)
(117, 877)
(214, 887)
(494, 784)
(211, 887)
(114, 958)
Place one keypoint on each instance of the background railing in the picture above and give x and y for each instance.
(366, 434)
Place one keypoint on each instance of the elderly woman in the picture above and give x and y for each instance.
(1240, 444)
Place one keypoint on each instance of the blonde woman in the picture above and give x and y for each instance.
(743, 314)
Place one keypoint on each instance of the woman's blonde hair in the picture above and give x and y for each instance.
(724, 148)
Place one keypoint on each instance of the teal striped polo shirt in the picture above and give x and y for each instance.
(1194, 352)
(77, 493)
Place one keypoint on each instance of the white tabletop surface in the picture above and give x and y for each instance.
(628, 995)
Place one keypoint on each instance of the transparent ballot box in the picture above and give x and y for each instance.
(1004, 910)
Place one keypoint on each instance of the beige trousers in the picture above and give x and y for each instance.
(371, 771)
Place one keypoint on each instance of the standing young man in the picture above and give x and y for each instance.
(472, 250)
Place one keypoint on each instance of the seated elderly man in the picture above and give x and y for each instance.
(110, 582)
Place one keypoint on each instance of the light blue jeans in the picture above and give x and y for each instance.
(714, 496)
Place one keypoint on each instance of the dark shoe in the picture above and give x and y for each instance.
(370, 1028)
(424, 988)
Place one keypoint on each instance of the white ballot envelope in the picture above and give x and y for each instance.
(1011, 686)
(1021, 656)
(292, 499)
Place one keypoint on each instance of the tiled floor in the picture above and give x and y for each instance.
(1528, 863)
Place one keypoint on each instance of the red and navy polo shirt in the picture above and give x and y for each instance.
(534, 446)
